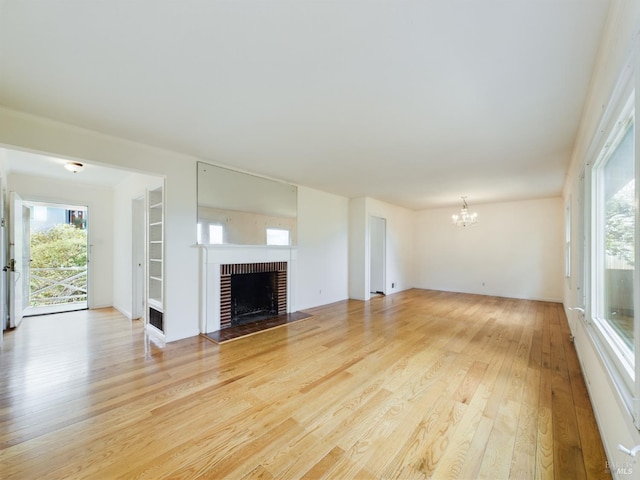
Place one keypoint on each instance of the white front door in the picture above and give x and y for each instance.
(19, 259)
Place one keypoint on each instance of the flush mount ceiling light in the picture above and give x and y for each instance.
(74, 167)
(465, 218)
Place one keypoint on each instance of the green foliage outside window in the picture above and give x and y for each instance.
(60, 246)
(620, 225)
(58, 266)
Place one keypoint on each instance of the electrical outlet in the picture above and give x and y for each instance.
(393, 284)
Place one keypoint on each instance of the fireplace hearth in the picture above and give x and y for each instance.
(251, 292)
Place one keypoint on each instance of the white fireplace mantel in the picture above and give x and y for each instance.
(212, 256)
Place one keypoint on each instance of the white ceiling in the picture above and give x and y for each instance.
(411, 102)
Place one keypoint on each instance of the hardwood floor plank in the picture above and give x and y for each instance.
(568, 459)
(544, 446)
(459, 452)
(496, 462)
(419, 384)
(475, 454)
(591, 445)
(325, 465)
(523, 463)
(470, 383)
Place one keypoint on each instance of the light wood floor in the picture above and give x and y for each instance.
(413, 385)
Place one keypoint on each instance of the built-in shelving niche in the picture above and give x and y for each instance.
(155, 259)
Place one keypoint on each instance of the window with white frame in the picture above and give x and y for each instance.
(614, 278)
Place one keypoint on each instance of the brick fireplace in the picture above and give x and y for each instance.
(252, 292)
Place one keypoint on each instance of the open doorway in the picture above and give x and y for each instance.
(59, 258)
(377, 250)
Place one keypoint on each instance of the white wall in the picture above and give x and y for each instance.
(515, 250)
(99, 225)
(134, 186)
(358, 249)
(618, 47)
(399, 246)
(323, 248)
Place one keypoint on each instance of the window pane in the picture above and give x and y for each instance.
(277, 236)
(619, 239)
(216, 234)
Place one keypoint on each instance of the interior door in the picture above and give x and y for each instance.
(377, 244)
(138, 258)
(19, 259)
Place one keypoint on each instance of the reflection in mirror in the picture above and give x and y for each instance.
(278, 236)
(243, 209)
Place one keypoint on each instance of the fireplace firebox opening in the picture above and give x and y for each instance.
(253, 297)
(251, 292)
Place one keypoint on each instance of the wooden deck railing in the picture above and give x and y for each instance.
(51, 286)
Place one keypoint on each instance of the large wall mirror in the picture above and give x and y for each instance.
(242, 209)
